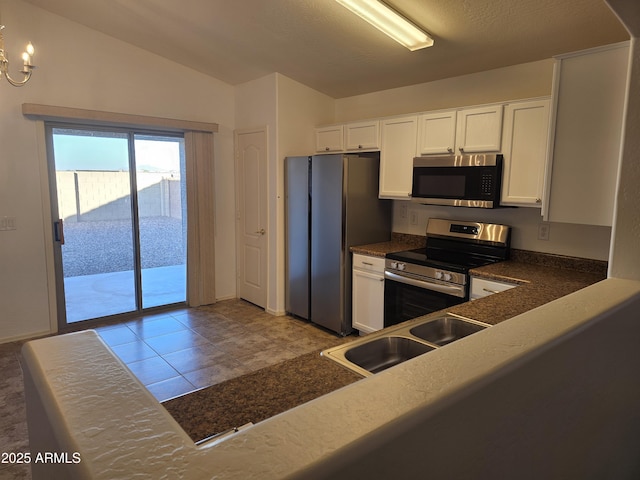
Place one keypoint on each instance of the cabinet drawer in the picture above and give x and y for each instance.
(481, 287)
(366, 262)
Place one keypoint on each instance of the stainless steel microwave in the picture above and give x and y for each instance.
(458, 180)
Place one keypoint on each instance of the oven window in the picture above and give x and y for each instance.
(442, 185)
(403, 302)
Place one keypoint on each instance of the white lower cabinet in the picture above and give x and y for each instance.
(368, 293)
(481, 287)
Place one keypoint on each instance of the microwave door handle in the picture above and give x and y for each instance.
(455, 290)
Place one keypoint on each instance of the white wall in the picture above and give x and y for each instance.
(78, 67)
(625, 258)
(518, 81)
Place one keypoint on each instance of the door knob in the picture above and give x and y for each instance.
(261, 231)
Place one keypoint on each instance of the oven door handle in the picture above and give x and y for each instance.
(457, 291)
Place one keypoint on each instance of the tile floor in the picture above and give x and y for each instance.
(172, 353)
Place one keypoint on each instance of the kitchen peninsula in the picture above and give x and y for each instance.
(66, 389)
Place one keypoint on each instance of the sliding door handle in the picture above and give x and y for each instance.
(58, 231)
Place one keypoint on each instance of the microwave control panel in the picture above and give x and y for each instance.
(486, 184)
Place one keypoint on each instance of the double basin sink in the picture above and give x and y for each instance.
(394, 345)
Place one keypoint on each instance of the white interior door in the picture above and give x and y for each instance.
(251, 159)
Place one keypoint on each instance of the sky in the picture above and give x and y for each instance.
(80, 152)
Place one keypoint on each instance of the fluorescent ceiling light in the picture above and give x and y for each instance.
(390, 22)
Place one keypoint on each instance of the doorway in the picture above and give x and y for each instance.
(120, 234)
(251, 165)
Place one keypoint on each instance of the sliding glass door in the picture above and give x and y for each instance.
(120, 233)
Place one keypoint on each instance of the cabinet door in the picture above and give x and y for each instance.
(590, 89)
(330, 139)
(479, 129)
(368, 301)
(398, 147)
(525, 146)
(362, 136)
(437, 133)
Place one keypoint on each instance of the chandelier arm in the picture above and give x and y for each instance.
(16, 83)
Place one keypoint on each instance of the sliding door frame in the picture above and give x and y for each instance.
(199, 155)
(131, 133)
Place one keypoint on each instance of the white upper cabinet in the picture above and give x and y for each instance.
(360, 136)
(479, 129)
(397, 149)
(437, 133)
(589, 91)
(525, 149)
(330, 138)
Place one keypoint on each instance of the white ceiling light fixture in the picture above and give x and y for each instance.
(388, 21)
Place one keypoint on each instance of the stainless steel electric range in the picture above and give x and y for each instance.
(424, 280)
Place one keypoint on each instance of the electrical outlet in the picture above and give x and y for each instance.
(543, 231)
(413, 220)
(403, 210)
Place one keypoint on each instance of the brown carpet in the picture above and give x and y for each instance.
(258, 395)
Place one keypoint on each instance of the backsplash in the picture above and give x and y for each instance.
(560, 261)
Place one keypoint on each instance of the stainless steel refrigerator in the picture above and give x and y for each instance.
(331, 204)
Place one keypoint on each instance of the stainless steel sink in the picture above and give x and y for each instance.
(391, 346)
(445, 330)
(384, 352)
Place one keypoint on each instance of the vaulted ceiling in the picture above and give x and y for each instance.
(321, 44)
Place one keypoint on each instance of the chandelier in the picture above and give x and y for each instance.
(27, 68)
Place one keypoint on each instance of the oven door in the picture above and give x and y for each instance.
(408, 297)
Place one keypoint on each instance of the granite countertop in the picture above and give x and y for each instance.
(259, 395)
(398, 243)
(537, 284)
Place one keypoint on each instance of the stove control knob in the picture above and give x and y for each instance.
(401, 266)
(394, 265)
(447, 277)
(438, 275)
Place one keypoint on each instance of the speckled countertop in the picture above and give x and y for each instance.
(541, 278)
(538, 283)
(254, 397)
(398, 243)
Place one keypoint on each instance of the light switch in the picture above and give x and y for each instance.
(7, 223)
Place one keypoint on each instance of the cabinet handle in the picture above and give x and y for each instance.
(538, 200)
(490, 291)
(368, 263)
(461, 149)
(359, 146)
(449, 149)
(326, 149)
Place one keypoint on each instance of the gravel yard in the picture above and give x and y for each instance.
(107, 246)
